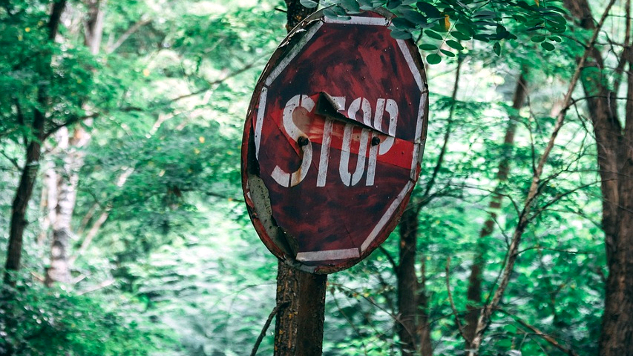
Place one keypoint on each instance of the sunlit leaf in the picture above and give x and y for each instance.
(433, 58)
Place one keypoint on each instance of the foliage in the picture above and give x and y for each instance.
(443, 24)
(43, 321)
(190, 276)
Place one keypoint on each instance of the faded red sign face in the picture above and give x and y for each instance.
(333, 140)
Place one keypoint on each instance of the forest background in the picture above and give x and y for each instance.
(125, 233)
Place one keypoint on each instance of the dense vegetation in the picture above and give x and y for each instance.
(124, 229)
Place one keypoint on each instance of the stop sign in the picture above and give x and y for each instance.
(333, 140)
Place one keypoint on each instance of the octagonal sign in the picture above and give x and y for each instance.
(333, 140)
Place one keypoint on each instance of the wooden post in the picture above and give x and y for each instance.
(299, 323)
(311, 314)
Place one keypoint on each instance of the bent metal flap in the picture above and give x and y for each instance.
(333, 140)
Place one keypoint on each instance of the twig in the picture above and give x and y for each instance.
(276, 310)
(21, 120)
(91, 234)
(210, 84)
(78, 279)
(625, 50)
(101, 285)
(37, 276)
(349, 320)
(127, 34)
(450, 299)
(541, 334)
(86, 219)
(447, 133)
(484, 318)
(559, 197)
(71, 121)
(394, 265)
(13, 161)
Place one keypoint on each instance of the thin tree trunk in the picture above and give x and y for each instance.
(413, 326)
(479, 263)
(424, 327)
(289, 280)
(22, 198)
(615, 159)
(49, 202)
(68, 178)
(524, 216)
(407, 282)
(72, 158)
(616, 337)
(32, 164)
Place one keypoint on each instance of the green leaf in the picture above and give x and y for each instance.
(497, 48)
(400, 34)
(464, 28)
(504, 343)
(393, 4)
(447, 53)
(547, 46)
(433, 58)
(336, 12)
(430, 10)
(454, 44)
(538, 38)
(414, 16)
(351, 6)
(428, 47)
(485, 14)
(366, 4)
(309, 3)
(401, 23)
(433, 34)
(460, 36)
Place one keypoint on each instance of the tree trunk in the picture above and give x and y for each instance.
(32, 163)
(407, 282)
(479, 262)
(67, 180)
(615, 159)
(291, 281)
(286, 321)
(617, 322)
(22, 198)
(424, 327)
(72, 158)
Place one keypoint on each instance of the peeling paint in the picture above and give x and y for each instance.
(333, 141)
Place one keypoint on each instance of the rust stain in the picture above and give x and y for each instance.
(331, 143)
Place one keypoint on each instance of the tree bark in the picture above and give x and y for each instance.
(424, 327)
(290, 281)
(616, 337)
(524, 216)
(72, 158)
(407, 282)
(31, 167)
(615, 163)
(22, 198)
(479, 262)
(67, 180)
(286, 321)
(311, 312)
